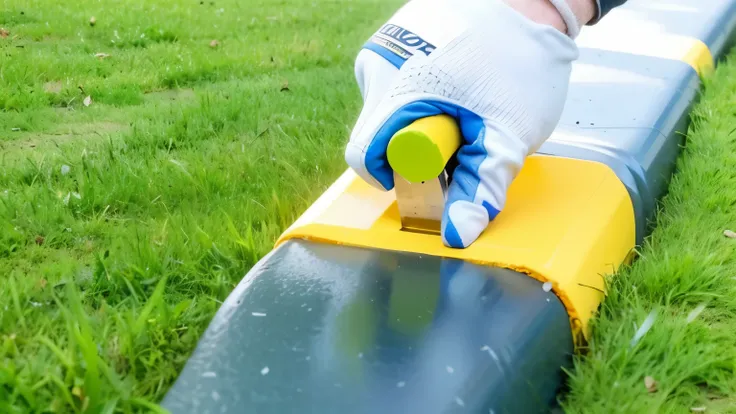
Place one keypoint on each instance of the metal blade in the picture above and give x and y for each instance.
(421, 204)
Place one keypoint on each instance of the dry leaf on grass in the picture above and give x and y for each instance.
(284, 85)
(697, 409)
(87, 101)
(730, 234)
(102, 55)
(39, 240)
(4, 33)
(214, 43)
(92, 21)
(650, 383)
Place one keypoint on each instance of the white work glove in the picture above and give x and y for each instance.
(503, 77)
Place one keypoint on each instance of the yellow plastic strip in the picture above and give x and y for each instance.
(569, 222)
(645, 38)
(699, 57)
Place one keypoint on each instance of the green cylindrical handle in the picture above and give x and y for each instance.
(420, 151)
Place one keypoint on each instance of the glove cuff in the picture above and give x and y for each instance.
(571, 21)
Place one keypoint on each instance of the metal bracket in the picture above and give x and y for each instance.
(421, 205)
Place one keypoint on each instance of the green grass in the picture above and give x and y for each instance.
(125, 223)
(685, 279)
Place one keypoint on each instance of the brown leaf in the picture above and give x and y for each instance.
(214, 43)
(284, 85)
(43, 283)
(39, 240)
(102, 55)
(4, 33)
(92, 21)
(650, 383)
(87, 101)
(730, 234)
(697, 409)
(53, 87)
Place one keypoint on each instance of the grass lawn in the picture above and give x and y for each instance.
(127, 217)
(683, 285)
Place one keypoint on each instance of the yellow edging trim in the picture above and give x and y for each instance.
(566, 221)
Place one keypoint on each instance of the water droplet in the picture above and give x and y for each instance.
(450, 369)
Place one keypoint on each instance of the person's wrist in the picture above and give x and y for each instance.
(584, 10)
(545, 12)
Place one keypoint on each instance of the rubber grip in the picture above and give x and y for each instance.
(420, 151)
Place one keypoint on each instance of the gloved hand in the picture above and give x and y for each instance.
(502, 76)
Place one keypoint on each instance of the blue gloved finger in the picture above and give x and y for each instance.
(366, 153)
(487, 164)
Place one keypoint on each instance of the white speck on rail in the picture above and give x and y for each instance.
(209, 374)
(265, 371)
(450, 369)
(490, 352)
(547, 286)
(258, 314)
